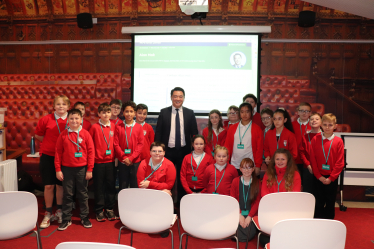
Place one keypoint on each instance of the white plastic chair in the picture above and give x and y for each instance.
(90, 245)
(146, 211)
(18, 215)
(281, 206)
(209, 217)
(308, 234)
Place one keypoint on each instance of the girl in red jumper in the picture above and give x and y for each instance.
(157, 172)
(281, 136)
(194, 165)
(243, 187)
(251, 99)
(214, 134)
(218, 177)
(281, 174)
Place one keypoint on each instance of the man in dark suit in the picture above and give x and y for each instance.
(176, 125)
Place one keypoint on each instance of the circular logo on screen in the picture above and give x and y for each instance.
(238, 59)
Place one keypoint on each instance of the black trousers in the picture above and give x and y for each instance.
(74, 183)
(127, 175)
(176, 156)
(325, 199)
(308, 181)
(104, 178)
(301, 169)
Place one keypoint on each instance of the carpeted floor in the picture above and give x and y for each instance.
(359, 222)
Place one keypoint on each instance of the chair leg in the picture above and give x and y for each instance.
(258, 240)
(186, 240)
(131, 239)
(119, 235)
(180, 240)
(237, 242)
(38, 236)
(172, 239)
(179, 230)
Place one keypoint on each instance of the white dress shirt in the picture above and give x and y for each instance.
(239, 154)
(171, 143)
(63, 117)
(329, 138)
(219, 167)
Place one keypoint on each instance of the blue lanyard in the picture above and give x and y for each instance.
(76, 143)
(117, 121)
(241, 137)
(105, 137)
(66, 125)
(215, 178)
(153, 171)
(278, 182)
(194, 172)
(127, 142)
(279, 137)
(323, 149)
(245, 196)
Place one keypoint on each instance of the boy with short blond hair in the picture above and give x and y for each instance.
(327, 159)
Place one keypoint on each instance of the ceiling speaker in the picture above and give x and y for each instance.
(84, 21)
(307, 18)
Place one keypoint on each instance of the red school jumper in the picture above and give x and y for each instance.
(136, 142)
(149, 138)
(234, 192)
(335, 160)
(100, 144)
(86, 124)
(299, 134)
(116, 121)
(66, 149)
(162, 178)
(187, 173)
(296, 186)
(257, 120)
(225, 185)
(47, 128)
(256, 140)
(287, 140)
(304, 149)
(209, 144)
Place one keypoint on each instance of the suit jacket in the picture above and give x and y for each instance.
(164, 125)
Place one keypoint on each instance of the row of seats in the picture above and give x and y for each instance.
(282, 81)
(279, 95)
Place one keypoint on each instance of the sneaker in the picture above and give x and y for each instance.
(100, 217)
(64, 224)
(48, 217)
(58, 216)
(110, 214)
(86, 222)
(165, 234)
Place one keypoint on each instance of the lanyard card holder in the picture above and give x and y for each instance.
(127, 151)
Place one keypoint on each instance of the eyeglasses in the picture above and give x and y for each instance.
(266, 118)
(157, 151)
(304, 111)
(115, 107)
(233, 113)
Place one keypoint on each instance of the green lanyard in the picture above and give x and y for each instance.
(105, 137)
(279, 137)
(117, 121)
(132, 125)
(76, 143)
(278, 182)
(245, 196)
(198, 164)
(323, 149)
(213, 139)
(66, 125)
(153, 171)
(241, 137)
(215, 179)
(301, 130)
(265, 131)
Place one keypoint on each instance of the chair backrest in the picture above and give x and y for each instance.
(308, 234)
(209, 216)
(18, 213)
(145, 210)
(285, 205)
(90, 245)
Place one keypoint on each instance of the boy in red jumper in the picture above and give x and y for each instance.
(327, 158)
(251, 99)
(104, 172)
(74, 161)
(301, 127)
(115, 106)
(85, 123)
(141, 112)
(128, 145)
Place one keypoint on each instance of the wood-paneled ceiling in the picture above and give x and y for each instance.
(40, 9)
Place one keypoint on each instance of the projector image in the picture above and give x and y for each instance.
(189, 7)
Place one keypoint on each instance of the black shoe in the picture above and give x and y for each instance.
(110, 214)
(86, 222)
(64, 225)
(100, 217)
(165, 234)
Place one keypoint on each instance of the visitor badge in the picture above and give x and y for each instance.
(245, 212)
(240, 146)
(78, 154)
(127, 151)
(325, 166)
(194, 178)
(108, 152)
(215, 193)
